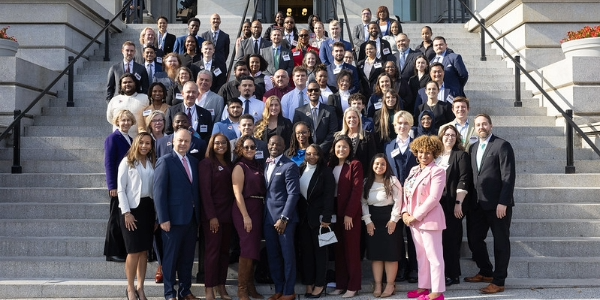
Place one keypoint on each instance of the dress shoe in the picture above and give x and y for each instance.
(378, 286)
(413, 277)
(492, 289)
(336, 292)
(387, 293)
(190, 297)
(479, 278)
(450, 281)
(116, 258)
(158, 277)
(349, 294)
(276, 296)
(416, 293)
(288, 297)
(222, 292)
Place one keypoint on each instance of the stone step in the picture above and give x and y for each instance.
(92, 112)
(577, 227)
(56, 166)
(67, 142)
(93, 99)
(54, 195)
(72, 180)
(558, 180)
(93, 128)
(52, 153)
(98, 119)
(580, 194)
(565, 210)
(55, 227)
(496, 98)
(65, 210)
(54, 246)
(554, 166)
(506, 111)
(549, 247)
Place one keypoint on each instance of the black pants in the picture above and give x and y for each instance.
(114, 245)
(313, 259)
(451, 242)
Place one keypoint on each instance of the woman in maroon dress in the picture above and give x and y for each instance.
(249, 189)
(217, 202)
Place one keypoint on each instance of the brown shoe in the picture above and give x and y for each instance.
(288, 297)
(190, 297)
(479, 278)
(276, 296)
(158, 278)
(492, 289)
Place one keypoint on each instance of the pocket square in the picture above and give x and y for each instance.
(194, 151)
(277, 173)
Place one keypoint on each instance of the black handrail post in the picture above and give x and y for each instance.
(106, 41)
(449, 15)
(518, 102)
(570, 167)
(70, 102)
(342, 28)
(462, 13)
(483, 57)
(16, 167)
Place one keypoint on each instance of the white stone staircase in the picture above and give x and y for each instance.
(53, 216)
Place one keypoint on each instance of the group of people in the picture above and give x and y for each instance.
(195, 155)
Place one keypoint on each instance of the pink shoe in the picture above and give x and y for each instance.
(426, 297)
(417, 294)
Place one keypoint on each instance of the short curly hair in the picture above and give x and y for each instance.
(427, 143)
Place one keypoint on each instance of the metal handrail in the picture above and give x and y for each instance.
(565, 115)
(47, 89)
(231, 61)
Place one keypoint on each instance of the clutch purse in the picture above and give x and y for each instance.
(326, 238)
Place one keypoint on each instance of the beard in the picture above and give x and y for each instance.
(171, 72)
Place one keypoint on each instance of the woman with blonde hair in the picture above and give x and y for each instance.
(363, 143)
(135, 182)
(273, 122)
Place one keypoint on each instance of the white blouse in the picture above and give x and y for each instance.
(305, 179)
(378, 197)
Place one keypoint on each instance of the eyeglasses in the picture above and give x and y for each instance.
(302, 133)
(314, 90)
(248, 148)
(303, 35)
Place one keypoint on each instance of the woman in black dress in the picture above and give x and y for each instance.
(382, 196)
(273, 122)
(135, 180)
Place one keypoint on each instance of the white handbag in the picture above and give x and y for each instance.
(326, 238)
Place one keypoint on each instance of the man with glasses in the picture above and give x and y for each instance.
(319, 116)
(247, 129)
(290, 33)
(360, 34)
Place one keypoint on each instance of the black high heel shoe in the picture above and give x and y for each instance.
(313, 296)
(137, 297)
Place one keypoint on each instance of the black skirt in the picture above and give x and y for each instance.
(382, 246)
(140, 239)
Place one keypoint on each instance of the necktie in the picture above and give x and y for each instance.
(480, 155)
(314, 115)
(149, 70)
(215, 37)
(256, 46)
(247, 106)
(276, 58)
(127, 68)
(187, 168)
(301, 99)
(161, 38)
(402, 60)
(189, 115)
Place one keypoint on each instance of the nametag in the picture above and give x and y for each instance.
(203, 128)
(138, 76)
(217, 72)
(147, 113)
(378, 105)
(377, 65)
(386, 51)
(450, 99)
(212, 112)
(179, 96)
(277, 174)
(286, 57)
(472, 140)
(258, 155)
(194, 151)
(313, 35)
(296, 53)
(337, 70)
(395, 152)
(159, 60)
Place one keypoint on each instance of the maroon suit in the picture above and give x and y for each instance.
(347, 250)
(217, 197)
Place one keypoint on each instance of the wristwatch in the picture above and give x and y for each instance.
(284, 219)
(458, 202)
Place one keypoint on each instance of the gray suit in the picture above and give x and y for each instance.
(115, 73)
(287, 65)
(214, 104)
(358, 36)
(247, 47)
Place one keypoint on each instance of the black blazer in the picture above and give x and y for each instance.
(327, 126)
(384, 48)
(204, 119)
(458, 176)
(284, 129)
(221, 45)
(442, 113)
(335, 100)
(319, 197)
(365, 150)
(217, 67)
(368, 82)
(117, 70)
(169, 43)
(494, 182)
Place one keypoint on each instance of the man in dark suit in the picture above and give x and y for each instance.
(446, 94)
(165, 144)
(283, 190)
(405, 58)
(456, 74)
(277, 56)
(326, 52)
(253, 44)
(193, 27)
(166, 41)
(148, 39)
(200, 118)
(231, 89)
(338, 64)
(177, 202)
(319, 116)
(214, 65)
(360, 34)
(384, 49)
(221, 43)
(493, 163)
(126, 66)
(289, 35)
(152, 66)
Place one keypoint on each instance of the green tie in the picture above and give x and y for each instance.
(276, 58)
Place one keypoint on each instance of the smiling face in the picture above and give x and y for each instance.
(190, 94)
(274, 108)
(124, 123)
(449, 138)
(246, 127)
(128, 52)
(215, 21)
(342, 150)
(321, 78)
(437, 74)
(220, 145)
(402, 127)
(145, 145)
(128, 86)
(208, 51)
(303, 37)
(373, 31)
(379, 166)
(314, 92)
(351, 118)
(319, 30)
(421, 64)
(432, 90)
(180, 122)
(371, 51)
(149, 37)
(158, 124)
(460, 110)
(182, 142)
(281, 79)
(310, 59)
(149, 55)
(402, 42)
(191, 44)
(254, 65)
(425, 158)
(276, 146)
(483, 127)
(426, 34)
(344, 83)
(249, 149)
(311, 156)
(390, 100)
(157, 94)
(276, 37)
(162, 25)
(204, 82)
(289, 24)
(384, 83)
(302, 135)
(426, 121)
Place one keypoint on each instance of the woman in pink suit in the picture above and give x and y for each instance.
(421, 210)
(348, 175)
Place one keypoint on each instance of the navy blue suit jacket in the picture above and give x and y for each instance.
(422, 98)
(332, 77)
(455, 73)
(283, 190)
(176, 199)
(326, 52)
(115, 148)
(179, 46)
(164, 146)
(400, 168)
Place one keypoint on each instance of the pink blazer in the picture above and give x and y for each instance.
(423, 202)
